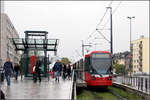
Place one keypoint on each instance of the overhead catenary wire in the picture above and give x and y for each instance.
(108, 21)
(78, 53)
(113, 14)
(104, 14)
(100, 20)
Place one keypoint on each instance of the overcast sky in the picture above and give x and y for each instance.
(73, 21)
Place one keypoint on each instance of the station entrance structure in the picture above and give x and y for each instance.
(35, 44)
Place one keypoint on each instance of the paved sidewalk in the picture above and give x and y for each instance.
(27, 89)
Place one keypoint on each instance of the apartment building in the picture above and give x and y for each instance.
(7, 48)
(122, 58)
(140, 52)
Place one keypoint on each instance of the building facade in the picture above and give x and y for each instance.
(140, 55)
(122, 58)
(7, 48)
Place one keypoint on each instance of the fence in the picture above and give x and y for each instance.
(141, 83)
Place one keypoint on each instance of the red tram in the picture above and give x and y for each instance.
(98, 68)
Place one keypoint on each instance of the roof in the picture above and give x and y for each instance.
(87, 55)
(23, 44)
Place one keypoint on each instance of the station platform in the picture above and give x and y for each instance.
(27, 89)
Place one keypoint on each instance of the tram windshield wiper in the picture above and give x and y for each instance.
(101, 75)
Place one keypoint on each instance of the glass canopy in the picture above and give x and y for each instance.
(23, 44)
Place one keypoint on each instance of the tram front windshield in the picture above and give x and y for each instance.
(101, 63)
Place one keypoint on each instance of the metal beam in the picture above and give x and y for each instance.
(14, 43)
(36, 32)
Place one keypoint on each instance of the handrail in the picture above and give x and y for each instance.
(73, 92)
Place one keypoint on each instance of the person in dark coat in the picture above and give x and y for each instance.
(8, 69)
(64, 71)
(16, 69)
(57, 69)
(37, 70)
(69, 71)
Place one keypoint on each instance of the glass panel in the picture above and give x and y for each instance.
(100, 55)
(51, 41)
(39, 46)
(40, 53)
(20, 46)
(50, 47)
(31, 41)
(39, 41)
(31, 46)
(18, 40)
(31, 52)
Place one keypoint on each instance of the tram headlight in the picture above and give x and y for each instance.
(109, 78)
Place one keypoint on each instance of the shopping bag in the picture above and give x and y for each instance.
(53, 74)
(34, 68)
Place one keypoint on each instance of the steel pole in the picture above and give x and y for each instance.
(82, 48)
(111, 31)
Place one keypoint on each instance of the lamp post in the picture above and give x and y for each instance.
(130, 18)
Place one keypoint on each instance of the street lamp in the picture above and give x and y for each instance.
(130, 18)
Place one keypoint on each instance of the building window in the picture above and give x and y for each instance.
(134, 66)
(7, 48)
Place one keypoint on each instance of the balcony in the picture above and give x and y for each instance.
(140, 57)
(140, 69)
(140, 63)
(140, 52)
(140, 45)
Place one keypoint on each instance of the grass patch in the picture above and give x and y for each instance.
(95, 94)
(125, 94)
(85, 95)
(107, 96)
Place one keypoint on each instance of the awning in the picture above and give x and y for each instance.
(23, 44)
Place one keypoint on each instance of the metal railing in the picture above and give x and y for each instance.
(73, 94)
(141, 83)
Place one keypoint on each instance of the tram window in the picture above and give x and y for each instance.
(100, 55)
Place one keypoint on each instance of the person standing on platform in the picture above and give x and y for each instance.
(69, 71)
(37, 70)
(8, 69)
(64, 71)
(16, 69)
(57, 69)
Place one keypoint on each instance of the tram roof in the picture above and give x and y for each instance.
(89, 54)
(23, 44)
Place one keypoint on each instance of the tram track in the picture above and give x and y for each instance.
(117, 95)
(106, 94)
(96, 96)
